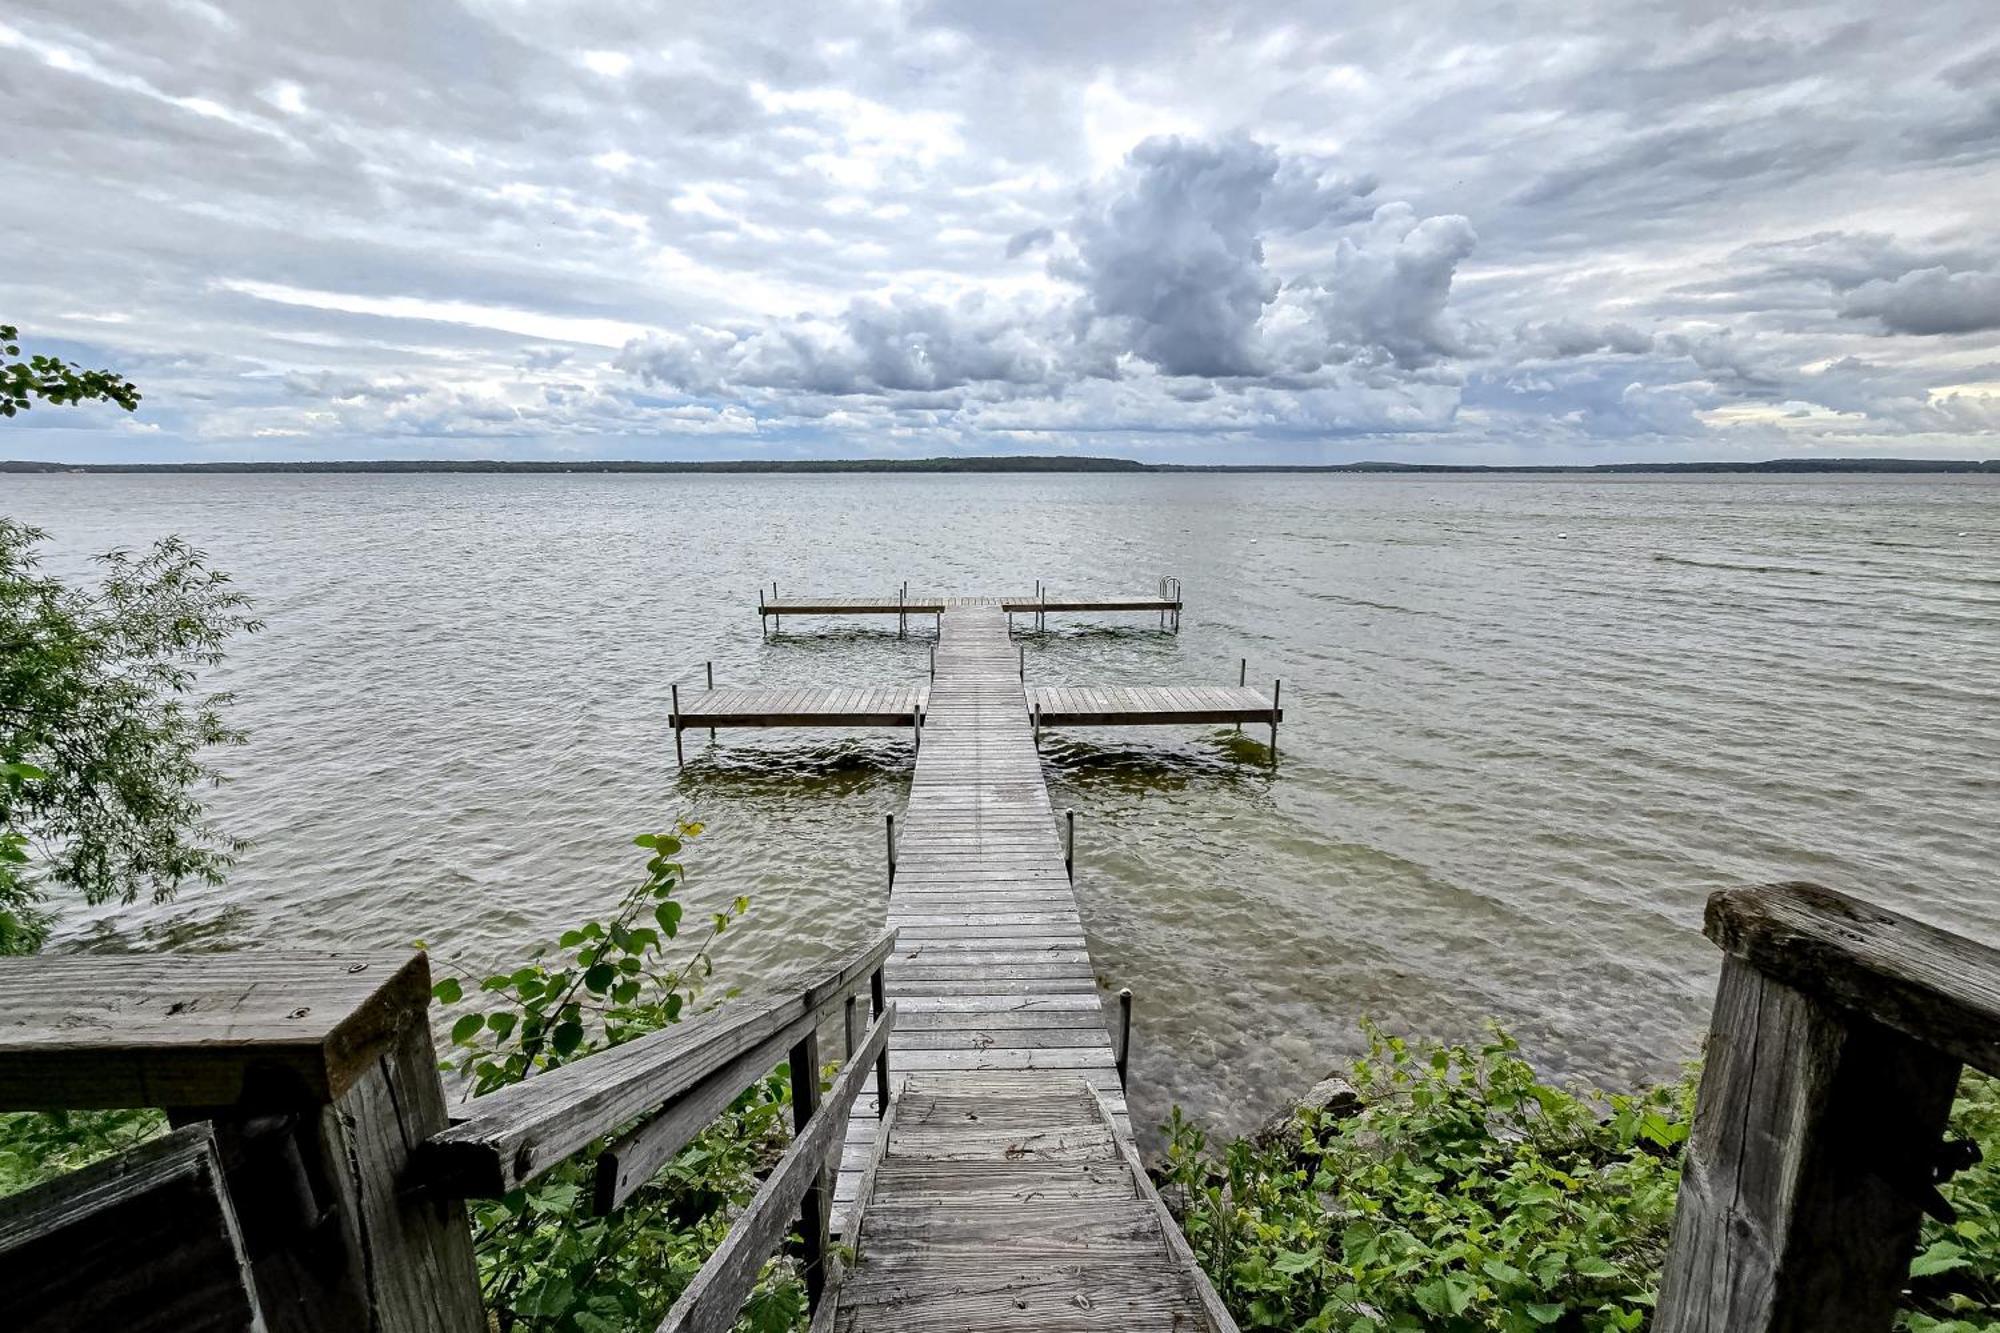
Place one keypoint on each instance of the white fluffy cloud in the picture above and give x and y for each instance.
(1192, 228)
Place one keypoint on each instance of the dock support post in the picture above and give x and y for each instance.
(1024, 661)
(1242, 681)
(1124, 1033)
(680, 761)
(711, 686)
(763, 621)
(933, 661)
(1069, 846)
(902, 615)
(892, 850)
(1276, 685)
(1038, 727)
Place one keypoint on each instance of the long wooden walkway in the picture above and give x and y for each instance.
(1001, 1196)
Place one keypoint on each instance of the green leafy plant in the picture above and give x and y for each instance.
(545, 1261)
(1465, 1195)
(1468, 1195)
(1955, 1279)
(40, 1145)
(103, 738)
(54, 380)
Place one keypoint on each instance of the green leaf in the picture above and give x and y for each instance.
(1941, 1257)
(500, 1022)
(669, 917)
(467, 1027)
(598, 979)
(566, 1038)
(1545, 1314)
(1293, 1262)
(448, 991)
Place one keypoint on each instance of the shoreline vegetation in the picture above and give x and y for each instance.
(1014, 463)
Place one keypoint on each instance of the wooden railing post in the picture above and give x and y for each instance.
(804, 1062)
(319, 1077)
(1832, 1059)
(877, 1002)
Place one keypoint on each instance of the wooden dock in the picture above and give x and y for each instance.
(1002, 1194)
(1165, 600)
(803, 706)
(1149, 705)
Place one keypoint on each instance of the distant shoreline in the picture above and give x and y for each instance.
(1014, 463)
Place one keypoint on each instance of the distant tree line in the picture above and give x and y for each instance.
(1008, 463)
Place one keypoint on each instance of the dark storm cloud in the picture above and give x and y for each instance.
(1930, 300)
(1193, 225)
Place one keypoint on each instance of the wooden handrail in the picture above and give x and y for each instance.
(508, 1138)
(1928, 984)
(1832, 1059)
(711, 1302)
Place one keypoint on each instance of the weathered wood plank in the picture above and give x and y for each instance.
(509, 1137)
(283, 1031)
(145, 1242)
(1941, 989)
(638, 1156)
(711, 1302)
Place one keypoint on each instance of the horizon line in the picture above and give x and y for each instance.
(1054, 463)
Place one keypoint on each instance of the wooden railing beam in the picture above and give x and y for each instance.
(508, 1138)
(711, 1302)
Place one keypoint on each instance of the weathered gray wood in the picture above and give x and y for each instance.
(799, 707)
(1010, 1203)
(711, 1302)
(507, 1138)
(277, 1030)
(410, 1251)
(145, 1242)
(1941, 989)
(1217, 1314)
(1806, 1167)
(638, 1155)
(1150, 705)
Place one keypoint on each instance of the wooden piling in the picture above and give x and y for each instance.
(1124, 1033)
(680, 761)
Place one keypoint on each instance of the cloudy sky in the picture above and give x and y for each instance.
(1211, 231)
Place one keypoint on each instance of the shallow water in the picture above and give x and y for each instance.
(1532, 723)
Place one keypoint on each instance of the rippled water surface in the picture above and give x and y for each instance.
(1532, 724)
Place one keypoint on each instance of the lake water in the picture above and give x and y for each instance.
(1532, 723)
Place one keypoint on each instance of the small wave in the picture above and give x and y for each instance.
(1738, 568)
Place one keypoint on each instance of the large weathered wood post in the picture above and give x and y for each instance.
(1834, 1052)
(319, 1077)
